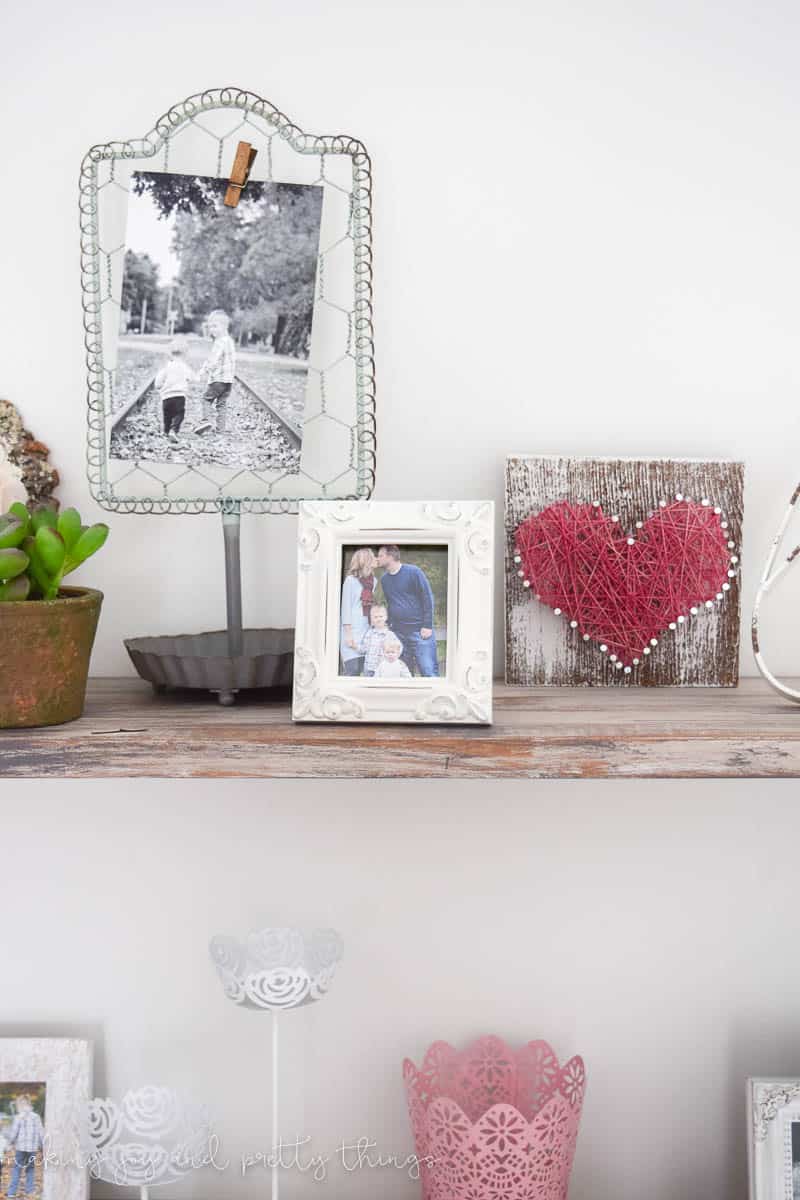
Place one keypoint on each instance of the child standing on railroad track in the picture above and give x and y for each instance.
(172, 384)
(219, 369)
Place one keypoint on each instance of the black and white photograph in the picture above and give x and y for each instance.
(393, 617)
(22, 1114)
(216, 319)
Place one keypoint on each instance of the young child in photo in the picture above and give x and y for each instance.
(27, 1137)
(172, 384)
(374, 639)
(391, 665)
(219, 370)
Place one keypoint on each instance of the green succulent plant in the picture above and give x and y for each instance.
(37, 549)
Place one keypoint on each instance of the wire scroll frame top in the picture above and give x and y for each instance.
(339, 444)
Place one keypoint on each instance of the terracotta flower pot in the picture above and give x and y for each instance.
(45, 646)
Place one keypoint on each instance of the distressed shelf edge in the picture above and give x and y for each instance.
(539, 733)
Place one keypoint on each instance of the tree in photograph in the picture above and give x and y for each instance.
(185, 193)
(282, 262)
(256, 324)
(210, 250)
(140, 290)
(433, 561)
(258, 261)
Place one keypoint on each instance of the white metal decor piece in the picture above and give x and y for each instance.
(773, 1110)
(64, 1066)
(272, 970)
(151, 1137)
(199, 137)
(277, 968)
(769, 577)
(463, 692)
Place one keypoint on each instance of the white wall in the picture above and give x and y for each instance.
(650, 927)
(587, 241)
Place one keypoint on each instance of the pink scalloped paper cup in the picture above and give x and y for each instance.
(492, 1123)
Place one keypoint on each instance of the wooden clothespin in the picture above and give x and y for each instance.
(240, 173)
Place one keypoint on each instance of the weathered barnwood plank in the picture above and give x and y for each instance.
(539, 733)
(541, 649)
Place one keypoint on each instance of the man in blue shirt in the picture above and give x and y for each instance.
(409, 599)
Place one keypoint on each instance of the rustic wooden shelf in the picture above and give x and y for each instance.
(539, 733)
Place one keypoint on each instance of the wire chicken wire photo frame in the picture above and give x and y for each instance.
(313, 404)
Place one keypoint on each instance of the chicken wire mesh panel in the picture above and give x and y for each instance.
(297, 420)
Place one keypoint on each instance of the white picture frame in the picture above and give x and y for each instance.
(773, 1108)
(463, 693)
(64, 1066)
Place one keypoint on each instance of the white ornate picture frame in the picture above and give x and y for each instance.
(463, 693)
(773, 1107)
(64, 1066)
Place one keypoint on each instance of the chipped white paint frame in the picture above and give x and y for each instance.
(64, 1065)
(463, 695)
(773, 1106)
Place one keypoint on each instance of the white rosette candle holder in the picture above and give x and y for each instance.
(277, 968)
(153, 1136)
(273, 970)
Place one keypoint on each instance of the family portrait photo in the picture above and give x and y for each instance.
(393, 619)
(216, 316)
(22, 1107)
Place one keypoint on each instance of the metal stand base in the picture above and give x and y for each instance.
(222, 661)
(231, 532)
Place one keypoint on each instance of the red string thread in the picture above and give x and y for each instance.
(624, 589)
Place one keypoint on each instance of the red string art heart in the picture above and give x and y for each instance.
(623, 590)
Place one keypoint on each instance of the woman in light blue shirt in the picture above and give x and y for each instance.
(357, 598)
